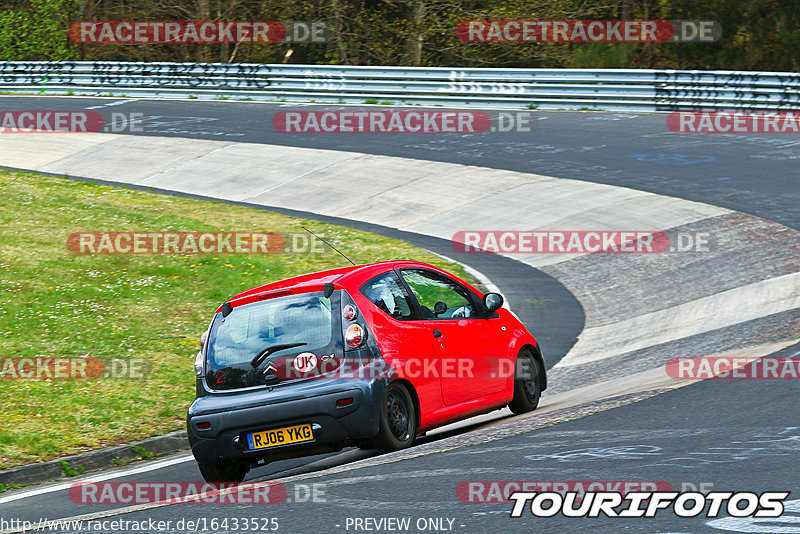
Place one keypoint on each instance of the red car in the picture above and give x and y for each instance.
(371, 355)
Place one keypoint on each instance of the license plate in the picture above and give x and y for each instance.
(279, 436)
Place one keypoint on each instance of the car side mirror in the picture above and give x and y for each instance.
(492, 301)
(439, 308)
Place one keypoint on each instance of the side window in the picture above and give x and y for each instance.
(438, 296)
(386, 292)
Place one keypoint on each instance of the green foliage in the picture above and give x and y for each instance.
(37, 30)
(143, 453)
(598, 56)
(757, 34)
(70, 471)
(6, 487)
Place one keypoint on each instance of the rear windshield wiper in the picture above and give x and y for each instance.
(264, 354)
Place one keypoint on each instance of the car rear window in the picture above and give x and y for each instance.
(234, 340)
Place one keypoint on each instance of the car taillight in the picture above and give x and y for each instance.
(354, 336)
(198, 364)
(350, 312)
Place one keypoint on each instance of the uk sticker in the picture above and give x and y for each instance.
(305, 362)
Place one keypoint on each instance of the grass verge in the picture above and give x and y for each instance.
(154, 307)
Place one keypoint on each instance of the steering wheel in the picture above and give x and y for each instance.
(462, 312)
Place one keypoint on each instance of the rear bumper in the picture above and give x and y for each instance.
(232, 415)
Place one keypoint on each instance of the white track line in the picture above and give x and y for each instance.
(149, 466)
(112, 104)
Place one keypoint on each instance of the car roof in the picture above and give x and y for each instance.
(342, 276)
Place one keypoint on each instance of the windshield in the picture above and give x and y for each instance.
(251, 328)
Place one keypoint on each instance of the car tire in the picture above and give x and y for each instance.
(223, 471)
(527, 388)
(399, 424)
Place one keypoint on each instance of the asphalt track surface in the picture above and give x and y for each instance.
(734, 435)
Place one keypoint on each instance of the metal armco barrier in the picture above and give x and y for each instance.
(607, 89)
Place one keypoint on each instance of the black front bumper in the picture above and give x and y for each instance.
(231, 415)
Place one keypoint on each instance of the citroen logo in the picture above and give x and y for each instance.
(270, 368)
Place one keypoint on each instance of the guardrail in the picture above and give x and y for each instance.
(608, 89)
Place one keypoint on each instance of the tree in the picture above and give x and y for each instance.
(36, 30)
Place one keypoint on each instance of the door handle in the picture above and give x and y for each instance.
(437, 333)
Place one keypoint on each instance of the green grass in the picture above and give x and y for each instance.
(60, 304)
(70, 471)
(141, 454)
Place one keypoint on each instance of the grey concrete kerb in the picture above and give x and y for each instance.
(98, 459)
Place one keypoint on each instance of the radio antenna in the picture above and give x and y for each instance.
(334, 248)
